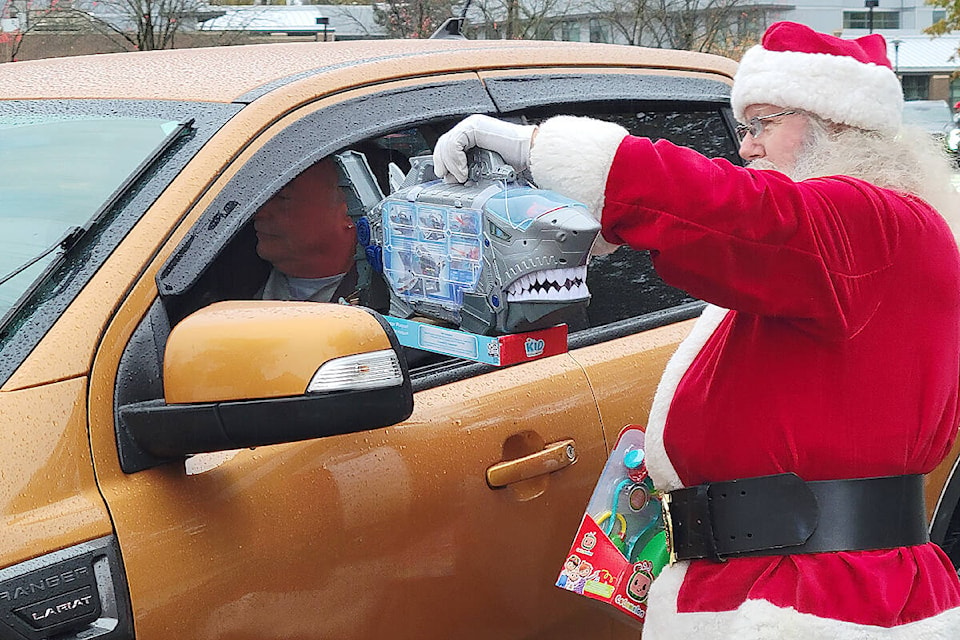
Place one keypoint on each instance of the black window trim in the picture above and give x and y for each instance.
(457, 370)
(517, 93)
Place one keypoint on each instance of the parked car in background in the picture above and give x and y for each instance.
(936, 118)
(165, 471)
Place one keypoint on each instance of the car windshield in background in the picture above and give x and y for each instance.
(933, 116)
(58, 174)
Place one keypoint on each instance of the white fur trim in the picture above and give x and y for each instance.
(838, 88)
(658, 463)
(573, 156)
(760, 620)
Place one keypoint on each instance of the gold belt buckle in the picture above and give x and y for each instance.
(668, 526)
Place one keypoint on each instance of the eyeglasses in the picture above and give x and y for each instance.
(754, 125)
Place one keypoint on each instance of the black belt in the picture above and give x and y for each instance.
(781, 514)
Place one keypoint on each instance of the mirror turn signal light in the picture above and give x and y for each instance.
(375, 370)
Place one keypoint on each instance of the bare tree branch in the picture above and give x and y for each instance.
(412, 18)
(151, 24)
(714, 26)
(513, 19)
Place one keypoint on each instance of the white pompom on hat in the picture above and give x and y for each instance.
(846, 81)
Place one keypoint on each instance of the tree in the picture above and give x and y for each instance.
(56, 16)
(951, 22)
(139, 24)
(724, 27)
(150, 24)
(412, 18)
(519, 19)
(11, 33)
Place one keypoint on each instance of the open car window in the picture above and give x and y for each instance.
(219, 253)
(623, 284)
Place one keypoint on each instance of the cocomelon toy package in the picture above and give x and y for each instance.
(621, 545)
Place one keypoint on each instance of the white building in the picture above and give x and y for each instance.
(324, 21)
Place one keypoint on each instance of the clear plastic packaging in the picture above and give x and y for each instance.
(621, 544)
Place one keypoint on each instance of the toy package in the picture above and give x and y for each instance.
(621, 545)
(491, 270)
(496, 350)
(492, 256)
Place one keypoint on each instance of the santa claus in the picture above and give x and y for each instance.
(792, 427)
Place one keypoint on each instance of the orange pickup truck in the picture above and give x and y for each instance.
(165, 471)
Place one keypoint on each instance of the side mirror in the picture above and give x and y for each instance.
(255, 373)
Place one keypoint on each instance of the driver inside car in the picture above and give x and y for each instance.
(305, 234)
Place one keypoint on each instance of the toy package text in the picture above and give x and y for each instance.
(621, 544)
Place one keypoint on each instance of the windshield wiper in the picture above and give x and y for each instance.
(65, 243)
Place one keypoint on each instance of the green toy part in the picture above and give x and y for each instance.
(656, 552)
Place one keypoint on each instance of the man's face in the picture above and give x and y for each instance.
(779, 143)
(304, 230)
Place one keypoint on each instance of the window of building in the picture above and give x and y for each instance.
(570, 30)
(881, 19)
(599, 31)
(915, 87)
(544, 31)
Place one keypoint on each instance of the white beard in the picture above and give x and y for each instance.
(910, 162)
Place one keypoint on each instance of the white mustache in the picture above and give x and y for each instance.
(764, 164)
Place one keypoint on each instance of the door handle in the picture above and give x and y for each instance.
(553, 457)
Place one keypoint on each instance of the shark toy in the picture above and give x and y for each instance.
(494, 255)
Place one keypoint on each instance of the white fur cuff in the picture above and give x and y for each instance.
(662, 471)
(573, 155)
(761, 620)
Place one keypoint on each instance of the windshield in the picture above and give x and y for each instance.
(933, 115)
(522, 205)
(58, 172)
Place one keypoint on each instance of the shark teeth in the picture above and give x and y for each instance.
(554, 285)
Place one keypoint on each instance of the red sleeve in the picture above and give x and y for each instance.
(815, 251)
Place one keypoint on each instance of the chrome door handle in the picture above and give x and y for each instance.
(553, 457)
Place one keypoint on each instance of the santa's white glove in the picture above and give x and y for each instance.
(511, 141)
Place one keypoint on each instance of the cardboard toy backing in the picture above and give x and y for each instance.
(496, 350)
(621, 545)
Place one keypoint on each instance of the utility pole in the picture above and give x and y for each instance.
(896, 42)
(870, 5)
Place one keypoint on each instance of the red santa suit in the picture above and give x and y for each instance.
(831, 349)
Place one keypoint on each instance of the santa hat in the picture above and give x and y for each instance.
(845, 81)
